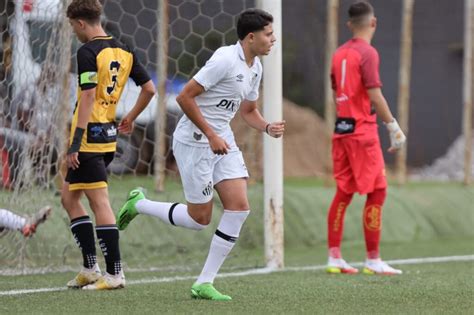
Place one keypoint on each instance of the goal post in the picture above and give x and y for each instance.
(273, 148)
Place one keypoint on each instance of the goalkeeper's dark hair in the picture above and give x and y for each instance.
(359, 11)
(88, 10)
(252, 20)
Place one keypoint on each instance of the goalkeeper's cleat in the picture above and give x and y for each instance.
(339, 265)
(206, 291)
(128, 211)
(377, 266)
(30, 227)
(85, 277)
(107, 282)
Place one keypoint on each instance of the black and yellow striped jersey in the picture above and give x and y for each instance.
(105, 64)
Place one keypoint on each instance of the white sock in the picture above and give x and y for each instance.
(11, 221)
(222, 243)
(171, 213)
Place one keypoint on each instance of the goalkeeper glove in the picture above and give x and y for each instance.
(397, 137)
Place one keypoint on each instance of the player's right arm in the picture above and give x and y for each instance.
(209, 76)
(87, 71)
(373, 84)
(187, 102)
(397, 137)
(380, 104)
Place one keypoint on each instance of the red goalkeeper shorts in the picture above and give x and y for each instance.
(358, 164)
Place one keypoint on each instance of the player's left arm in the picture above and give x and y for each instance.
(371, 79)
(250, 113)
(144, 98)
(141, 78)
(397, 137)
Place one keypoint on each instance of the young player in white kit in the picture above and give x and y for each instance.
(205, 148)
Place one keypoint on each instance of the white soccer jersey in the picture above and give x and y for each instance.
(227, 80)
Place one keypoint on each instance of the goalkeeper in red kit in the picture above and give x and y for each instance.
(357, 155)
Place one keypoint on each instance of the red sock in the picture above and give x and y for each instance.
(373, 222)
(336, 222)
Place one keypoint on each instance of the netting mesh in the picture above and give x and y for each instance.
(37, 96)
(33, 109)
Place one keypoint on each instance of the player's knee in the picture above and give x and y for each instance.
(380, 193)
(99, 205)
(343, 196)
(201, 214)
(203, 220)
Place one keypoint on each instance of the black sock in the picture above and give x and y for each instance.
(83, 233)
(108, 236)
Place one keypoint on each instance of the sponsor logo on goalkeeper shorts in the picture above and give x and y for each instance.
(373, 217)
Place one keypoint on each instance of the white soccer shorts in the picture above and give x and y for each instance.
(200, 169)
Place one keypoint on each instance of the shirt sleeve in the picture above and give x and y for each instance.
(370, 69)
(213, 71)
(138, 73)
(86, 68)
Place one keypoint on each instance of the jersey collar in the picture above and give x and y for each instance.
(240, 50)
(101, 37)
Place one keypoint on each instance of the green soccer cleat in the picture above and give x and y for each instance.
(206, 291)
(128, 211)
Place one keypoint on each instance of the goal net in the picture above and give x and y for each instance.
(37, 96)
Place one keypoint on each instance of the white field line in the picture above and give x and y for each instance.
(258, 271)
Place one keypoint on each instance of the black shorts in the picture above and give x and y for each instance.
(92, 171)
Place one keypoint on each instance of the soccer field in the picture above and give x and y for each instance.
(161, 262)
(441, 287)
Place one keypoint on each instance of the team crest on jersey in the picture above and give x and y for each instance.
(240, 78)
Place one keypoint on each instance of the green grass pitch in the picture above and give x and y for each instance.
(420, 220)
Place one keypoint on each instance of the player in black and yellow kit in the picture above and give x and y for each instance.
(104, 66)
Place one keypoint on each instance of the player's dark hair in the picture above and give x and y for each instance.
(89, 10)
(359, 10)
(252, 20)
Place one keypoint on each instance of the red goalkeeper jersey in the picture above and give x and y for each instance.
(354, 70)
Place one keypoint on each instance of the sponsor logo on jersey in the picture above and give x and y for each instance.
(344, 125)
(231, 105)
(96, 131)
(101, 132)
(111, 132)
(342, 98)
(240, 78)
